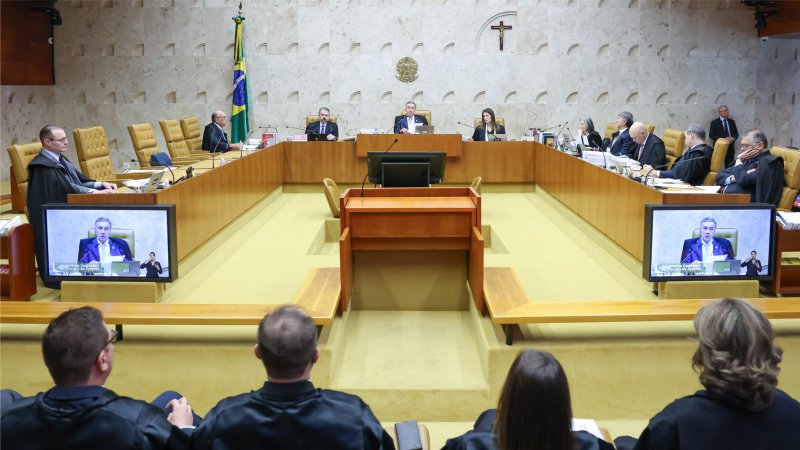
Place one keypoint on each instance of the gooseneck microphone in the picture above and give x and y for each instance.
(214, 151)
(365, 176)
(561, 130)
(464, 124)
(550, 128)
(171, 173)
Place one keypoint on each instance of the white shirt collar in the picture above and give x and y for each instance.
(52, 155)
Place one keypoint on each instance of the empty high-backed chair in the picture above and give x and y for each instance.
(176, 143)
(610, 130)
(94, 154)
(332, 195)
(717, 161)
(21, 155)
(145, 145)
(674, 141)
(650, 127)
(791, 176)
(190, 128)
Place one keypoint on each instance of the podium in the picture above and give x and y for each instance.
(404, 221)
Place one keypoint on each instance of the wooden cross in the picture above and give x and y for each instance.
(501, 28)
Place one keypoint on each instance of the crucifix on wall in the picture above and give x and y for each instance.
(502, 28)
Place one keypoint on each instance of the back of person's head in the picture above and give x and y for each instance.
(736, 356)
(287, 340)
(534, 410)
(72, 343)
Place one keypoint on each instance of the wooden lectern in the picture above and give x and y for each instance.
(446, 218)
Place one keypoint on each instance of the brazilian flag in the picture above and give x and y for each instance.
(241, 100)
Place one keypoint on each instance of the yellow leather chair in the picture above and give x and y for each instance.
(650, 127)
(731, 234)
(476, 183)
(421, 112)
(500, 121)
(791, 175)
(610, 129)
(674, 141)
(315, 117)
(21, 155)
(332, 194)
(125, 234)
(190, 128)
(94, 155)
(717, 161)
(176, 144)
(145, 145)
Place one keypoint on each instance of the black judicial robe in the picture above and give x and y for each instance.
(481, 437)
(95, 418)
(288, 416)
(704, 421)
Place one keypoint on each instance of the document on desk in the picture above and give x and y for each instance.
(695, 190)
(588, 425)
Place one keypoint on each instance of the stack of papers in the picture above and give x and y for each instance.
(7, 224)
(789, 220)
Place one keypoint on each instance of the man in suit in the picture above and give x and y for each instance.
(103, 248)
(51, 176)
(707, 248)
(407, 124)
(694, 164)
(753, 264)
(79, 412)
(723, 127)
(649, 149)
(622, 144)
(323, 127)
(288, 411)
(215, 139)
(756, 172)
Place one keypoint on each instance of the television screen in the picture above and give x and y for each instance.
(709, 242)
(375, 161)
(110, 242)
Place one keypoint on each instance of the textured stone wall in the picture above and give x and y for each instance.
(669, 62)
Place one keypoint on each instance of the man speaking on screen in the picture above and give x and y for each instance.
(103, 248)
(707, 248)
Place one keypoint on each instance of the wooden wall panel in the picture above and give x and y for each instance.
(310, 162)
(26, 56)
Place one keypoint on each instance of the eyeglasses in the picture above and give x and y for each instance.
(746, 146)
(111, 340)
(62, 140)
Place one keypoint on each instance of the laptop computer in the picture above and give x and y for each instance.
(314, 137)
(152, 183)
(498, 138)
(424, 129)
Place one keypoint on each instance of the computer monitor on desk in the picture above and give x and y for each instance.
(405, 169)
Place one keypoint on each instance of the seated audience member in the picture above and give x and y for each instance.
(756, 172)
(323, 127)
(215, 139)
(648, 149)
(693, 165)
(488, 128)
(741, 407)
(408, 123)
(288, 411)
(534, 412)
(79, 413)
(587, 136)
(622, 144)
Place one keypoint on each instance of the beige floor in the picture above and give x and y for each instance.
(440, 368)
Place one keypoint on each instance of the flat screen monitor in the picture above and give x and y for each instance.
(405, 174)
(110, 243)
(709, 242)
(435, 159)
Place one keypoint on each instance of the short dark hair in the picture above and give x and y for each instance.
(697, 130)
(758, 136)
(287, 340)
(71, 344)
(535, 409)
(628, 118)
(324, 108)
(736, 356)
(47, 132)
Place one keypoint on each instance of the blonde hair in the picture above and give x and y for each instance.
(736, 356)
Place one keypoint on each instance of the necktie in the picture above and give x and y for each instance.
(727, 130)
(73, 175)
(641, 149)
(322, 129)
(708, 252)
(104, 252)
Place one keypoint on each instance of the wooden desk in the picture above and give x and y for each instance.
(611, 203)
(448, 143)
(212, 199)
(411, 219)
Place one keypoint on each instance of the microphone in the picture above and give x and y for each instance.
(171, 173)
(395, 124)
(604, 145)
(468, 126)
(559, 131)
(573, 138)
(550, 128)
(214, 151)
(365, 176)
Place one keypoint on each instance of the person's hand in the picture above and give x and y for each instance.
(109, 186)
(103, 191)
(235, 147)
(647, 168)
(731, 139)
(331, 137)
(181, 415)
(404, 131)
